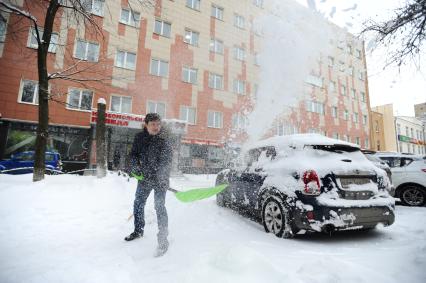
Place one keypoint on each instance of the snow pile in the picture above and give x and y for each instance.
(71, 229)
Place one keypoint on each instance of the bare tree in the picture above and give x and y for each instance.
(78, 11)
(403, 34)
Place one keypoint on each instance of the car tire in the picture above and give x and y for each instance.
(220, 200)
(413, 195)
(275, 218)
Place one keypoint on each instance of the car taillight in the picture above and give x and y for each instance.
(312, 183)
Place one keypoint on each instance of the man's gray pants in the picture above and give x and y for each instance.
(142, 192)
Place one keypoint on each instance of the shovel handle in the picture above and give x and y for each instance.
(173, 190)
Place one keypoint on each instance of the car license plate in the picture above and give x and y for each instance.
(346, 182)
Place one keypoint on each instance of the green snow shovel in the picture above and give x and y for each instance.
(193, 194)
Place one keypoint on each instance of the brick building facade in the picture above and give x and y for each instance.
(188, 60)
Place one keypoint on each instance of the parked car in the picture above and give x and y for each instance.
(23, 163)
(408, 176)
(381, 164)
(308, 182)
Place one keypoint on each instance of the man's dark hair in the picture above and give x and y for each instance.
(152, 117)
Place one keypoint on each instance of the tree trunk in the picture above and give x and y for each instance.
(100, 142)
(43, 91)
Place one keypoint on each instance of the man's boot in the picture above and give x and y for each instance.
(133, 235)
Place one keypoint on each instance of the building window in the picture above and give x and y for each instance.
(330, 61)
(188, 114)
(239, 87)
(332, 86)
(125, 60)
(398, 128)
(336, 136)
(255, 91)
(156, 107)
(80, 99)
(217, 12)
(239, 53)
(407, 133)
(355, 115)
(3, 26)
(353, 93)
(364, 119)
(28, 92)
(256, 59)
(334, 111)
(159, 68)
(214, 119)
(193, 4)
(162, 28)
(191, 37)
(215, 81)
(130, 17)
(316, 107)
(121, 104)
(216, 46)
(350, 70)
(349, 49)
(342, 89)
(412, 133)
(358, 53)
(258, 3)
(341, 66)
(346, 115)
(95, 7)
(87, 51)
(357, 141)
(32, 42)
(366, 143)
(362, 96)
(239, 21)
(189, 75)
(239, 121)
(361, 75)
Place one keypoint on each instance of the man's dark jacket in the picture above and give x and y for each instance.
(152, 156)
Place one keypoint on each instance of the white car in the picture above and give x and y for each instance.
(408, 176)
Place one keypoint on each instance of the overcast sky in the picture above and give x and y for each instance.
(404, 87)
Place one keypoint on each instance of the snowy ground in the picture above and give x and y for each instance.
(71, 229)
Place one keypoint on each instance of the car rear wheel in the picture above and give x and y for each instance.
(275, 218)
(413, 195)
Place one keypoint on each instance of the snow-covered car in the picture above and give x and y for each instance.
(308, 182)
(408, 176)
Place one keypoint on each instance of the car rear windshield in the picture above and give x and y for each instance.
(338, 148)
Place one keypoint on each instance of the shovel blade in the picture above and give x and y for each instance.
(199, 194)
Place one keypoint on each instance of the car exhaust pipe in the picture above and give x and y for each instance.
(328, 229)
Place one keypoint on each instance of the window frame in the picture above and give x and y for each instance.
(191, 33)
(213, 78)
(52, 46)
(214, 13)
(125, 60)
(214, 126)
(79, 100)
(214, 43)
(186, 109)
(161, 32)
(87, 43)
(239, 21)
(189, 71)
(35, 97)
(193, 5)
(121, 103)
(131, 19)
(156, 107)
(159, 64)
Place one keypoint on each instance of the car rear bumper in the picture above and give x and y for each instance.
(344, 218)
